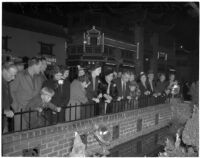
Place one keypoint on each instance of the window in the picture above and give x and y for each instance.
(46, 48)
(93, 41)
(127, 54)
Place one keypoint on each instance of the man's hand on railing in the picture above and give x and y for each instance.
(9, 113)
(167, 91)
(58, 109)
(96, 100)
(129, 97)
(107, 101)
(108, 97)
(146, 92)
(39, 109)
(53, 112)
(156, 94)
(100, 96)
(119, 98)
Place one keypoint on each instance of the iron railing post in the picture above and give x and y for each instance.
(76, 110)
(29, 120)
(21, 120)
(70, 112)
(57, 116)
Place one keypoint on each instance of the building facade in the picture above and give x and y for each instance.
(25, 36)
(154, 47)
(94, 46)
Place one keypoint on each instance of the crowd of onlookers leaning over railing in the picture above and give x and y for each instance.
(41, 95)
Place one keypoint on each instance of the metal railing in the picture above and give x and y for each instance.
(31, 119)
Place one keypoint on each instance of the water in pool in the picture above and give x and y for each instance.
(148, 145)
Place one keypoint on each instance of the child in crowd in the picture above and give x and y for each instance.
(134, 91)
(40, 103)
(134, 94)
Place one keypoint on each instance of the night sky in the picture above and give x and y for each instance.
(182, 16)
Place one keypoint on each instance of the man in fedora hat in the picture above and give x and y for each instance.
(122, 85)
(150, 81)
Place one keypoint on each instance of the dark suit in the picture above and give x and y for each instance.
(6, 101)
(143, 99)
(153, 86)
(161, 87)
(6, 96)
(92, 91)
(122, 92)
(143, 88)
(151, 100)
(103, 86)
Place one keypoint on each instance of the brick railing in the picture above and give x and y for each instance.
(57, 140)
(31, 119)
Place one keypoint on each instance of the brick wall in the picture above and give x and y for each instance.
(57, 140)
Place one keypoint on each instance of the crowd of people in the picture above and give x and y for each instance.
(47, 90)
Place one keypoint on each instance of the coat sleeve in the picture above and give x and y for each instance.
(77, 96)
(66, 93)
(89, 93)
(119, 89)
(114, 91)
(5, 101)
(34, 103)
(14, 90)
(102, 88)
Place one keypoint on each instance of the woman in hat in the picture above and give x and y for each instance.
(108, 89)
(92, 90)
(77, 96)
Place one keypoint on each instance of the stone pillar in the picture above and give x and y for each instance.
(139, 38)
(155, 46)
